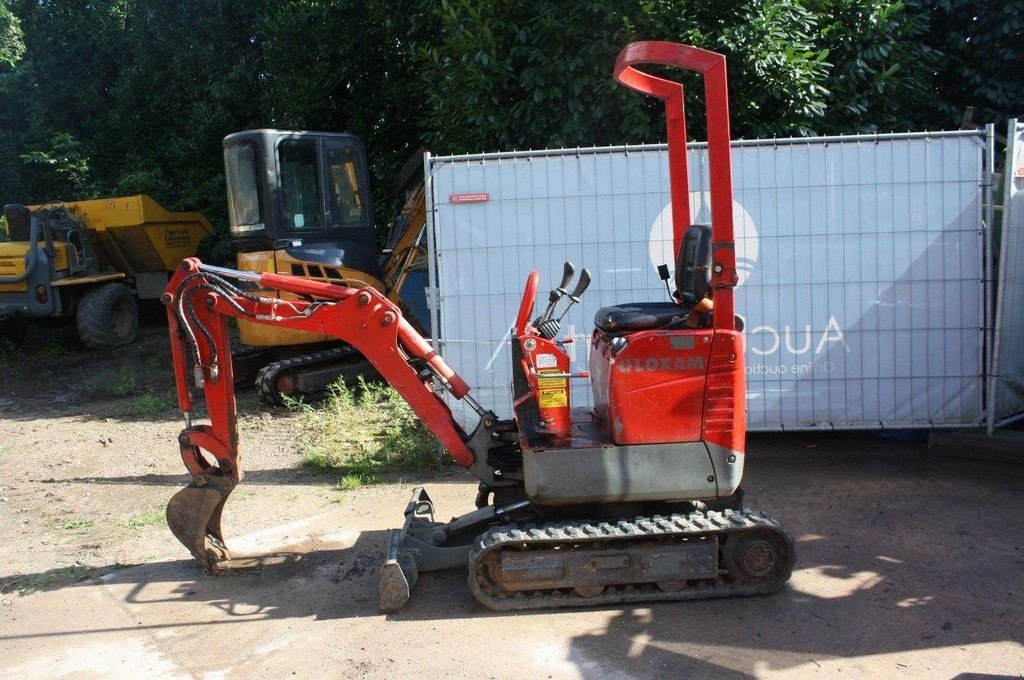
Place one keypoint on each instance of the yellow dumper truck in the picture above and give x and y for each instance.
(91, 260)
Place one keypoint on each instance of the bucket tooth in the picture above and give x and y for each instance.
(193, 515)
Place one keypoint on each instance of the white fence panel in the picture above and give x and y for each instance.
(861, 266)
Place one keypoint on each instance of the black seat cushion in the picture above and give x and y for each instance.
(639, 316)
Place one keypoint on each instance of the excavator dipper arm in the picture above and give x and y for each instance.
(199, 300)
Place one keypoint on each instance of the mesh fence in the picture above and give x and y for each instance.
(861, 262)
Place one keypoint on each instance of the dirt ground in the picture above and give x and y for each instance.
(908, 565)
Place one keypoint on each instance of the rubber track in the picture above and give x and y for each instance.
(655, 527)
(267, 377)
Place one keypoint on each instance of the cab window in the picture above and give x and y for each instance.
(243, 190)
(346, 202)
(300, 192)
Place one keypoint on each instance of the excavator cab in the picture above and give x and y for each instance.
(302, 191)
(299, 203)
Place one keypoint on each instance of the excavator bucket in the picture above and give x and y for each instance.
(193, 515)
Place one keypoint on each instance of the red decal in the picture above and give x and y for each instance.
(469, 198)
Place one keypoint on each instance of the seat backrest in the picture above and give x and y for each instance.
(693, 267)
(19, 220)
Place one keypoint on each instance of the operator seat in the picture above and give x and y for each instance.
(19, 221)
(693, 281)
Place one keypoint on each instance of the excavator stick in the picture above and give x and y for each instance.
(193, 515)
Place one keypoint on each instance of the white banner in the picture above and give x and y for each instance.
(860, 258)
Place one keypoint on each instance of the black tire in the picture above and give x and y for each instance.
(107, 317)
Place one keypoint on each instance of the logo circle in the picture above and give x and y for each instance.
(660, 247)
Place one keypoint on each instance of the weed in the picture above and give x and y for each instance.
(126, 382)
(145, 520)
(72, 524)
(50, 349)
(318, 460)
(363, 432)
(352, 482)
(151, 405)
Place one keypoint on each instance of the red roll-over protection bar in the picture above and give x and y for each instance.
(716, 94)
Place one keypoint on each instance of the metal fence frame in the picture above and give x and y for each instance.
(986, 138)
(1007, 317)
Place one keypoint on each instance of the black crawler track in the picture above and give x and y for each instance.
(267, 378)
(729, 526)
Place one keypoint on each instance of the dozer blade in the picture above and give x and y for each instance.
(398, 574)
(421, 545)
(193, 515)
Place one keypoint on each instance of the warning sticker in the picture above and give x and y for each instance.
(552, 398)
(552, 392)
(547, 361)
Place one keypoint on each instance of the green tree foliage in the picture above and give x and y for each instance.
(123, 96)
(350, 65)
(12, 45)
(980, 48)
(537, 73)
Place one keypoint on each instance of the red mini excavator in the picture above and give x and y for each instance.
(635, 500)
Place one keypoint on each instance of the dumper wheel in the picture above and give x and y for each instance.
(107, 317)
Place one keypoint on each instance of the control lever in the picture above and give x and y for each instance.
(555, 295)
(575, 295)
(663, 275)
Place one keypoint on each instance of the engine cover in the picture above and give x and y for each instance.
(652, 390)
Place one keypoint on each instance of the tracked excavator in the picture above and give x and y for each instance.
(637, 499)
(299, 203)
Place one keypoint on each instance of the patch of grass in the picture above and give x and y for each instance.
(145, 520)
(126, 382)
(363, 432)
(151, 405)
(315, 459)
(50, 349)
(72, 524)
(47, 580)
(352, 482)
